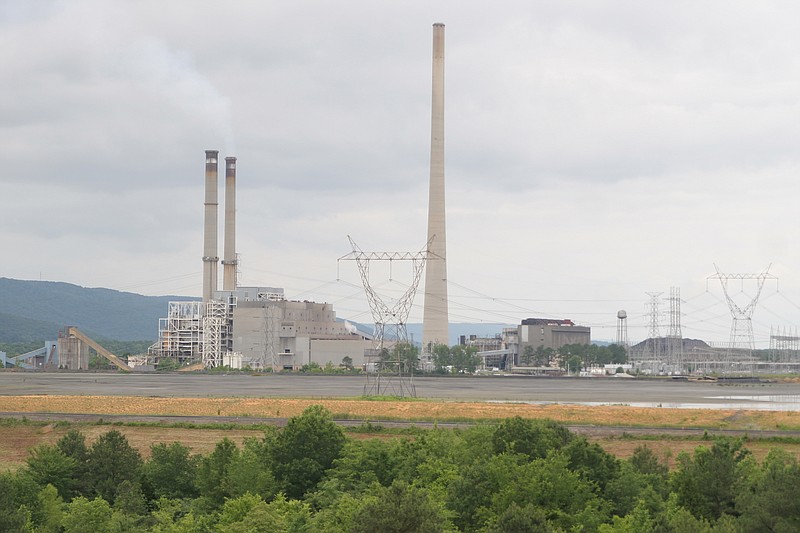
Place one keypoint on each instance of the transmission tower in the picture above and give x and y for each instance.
(784, 350)
(652, 346)
(674, 360)
(741, 339)
(393, 374)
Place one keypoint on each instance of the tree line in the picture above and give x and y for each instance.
(517, 475)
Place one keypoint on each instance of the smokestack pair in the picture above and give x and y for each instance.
(210, 258)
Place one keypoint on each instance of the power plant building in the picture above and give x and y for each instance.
(287, 334)
(258, 327)
(254, 327)
(551, 333)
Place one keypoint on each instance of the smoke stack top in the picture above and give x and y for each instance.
(229, 262)
(210, 257)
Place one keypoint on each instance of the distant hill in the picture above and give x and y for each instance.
(16, 329)
(457, 329)
(36, 310)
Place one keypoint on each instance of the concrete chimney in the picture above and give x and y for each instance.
(229, 257)
(210, 258)
(435, 314)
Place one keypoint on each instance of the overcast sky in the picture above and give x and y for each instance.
(595, 151)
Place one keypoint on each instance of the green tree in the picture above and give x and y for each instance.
(706, 483)
(347, 362)
(638, 520)
(130, 499)
(18, 495)
(590, 461)
(769, 499)
(573, 364)
(470, 494)
(305, 449)
(111, 460)
(251, 470)
(50, 510)
(569, 502)
(175, 516)
(519, 519)
(441, 358)
(212, 474)
(87, 516)
(542, 356)
(630, 488)
(465, 358)
(73, 445)
(167, 364)
(250, 514)
(400, 508)
(311, 368)
(48, 465)
(170, 472)
(527, 355)
(534, 438)
(403, 357)
(618, 354)
(646, 462)
(362, 464)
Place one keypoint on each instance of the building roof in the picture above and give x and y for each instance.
(547, 322)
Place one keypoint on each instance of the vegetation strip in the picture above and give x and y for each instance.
(421, 410)
(515, 475)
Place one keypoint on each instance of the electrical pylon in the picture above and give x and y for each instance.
(652, 347)
(390, 374)
(741, 339)
(674, 360)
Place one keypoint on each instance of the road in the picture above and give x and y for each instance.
(587, 391)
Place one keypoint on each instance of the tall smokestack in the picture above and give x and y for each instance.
(435, 315)
(210, 258)
(229, 257)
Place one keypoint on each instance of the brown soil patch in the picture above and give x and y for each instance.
(16, 441)
(617, 415)
(669, 449)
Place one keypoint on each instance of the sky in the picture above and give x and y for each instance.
(597, 152)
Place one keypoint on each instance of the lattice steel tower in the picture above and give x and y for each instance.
(392, 375)
(652, 348)
(674, 359)
(741, 339)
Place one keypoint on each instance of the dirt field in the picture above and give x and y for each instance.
(16, 440)
(618, 415)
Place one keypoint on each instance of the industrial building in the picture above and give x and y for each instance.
(259, 327)
(255, 327)
(551, 333)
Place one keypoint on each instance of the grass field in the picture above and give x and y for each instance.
(387, 409)
(17, 439)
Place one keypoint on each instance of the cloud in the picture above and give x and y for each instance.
(595, 151)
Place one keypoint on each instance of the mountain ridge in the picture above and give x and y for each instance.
(36, 310)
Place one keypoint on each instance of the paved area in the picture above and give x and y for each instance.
(590, 391)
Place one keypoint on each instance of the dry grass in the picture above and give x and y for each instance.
(618, 415)
(668, 449)
(15, 441)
